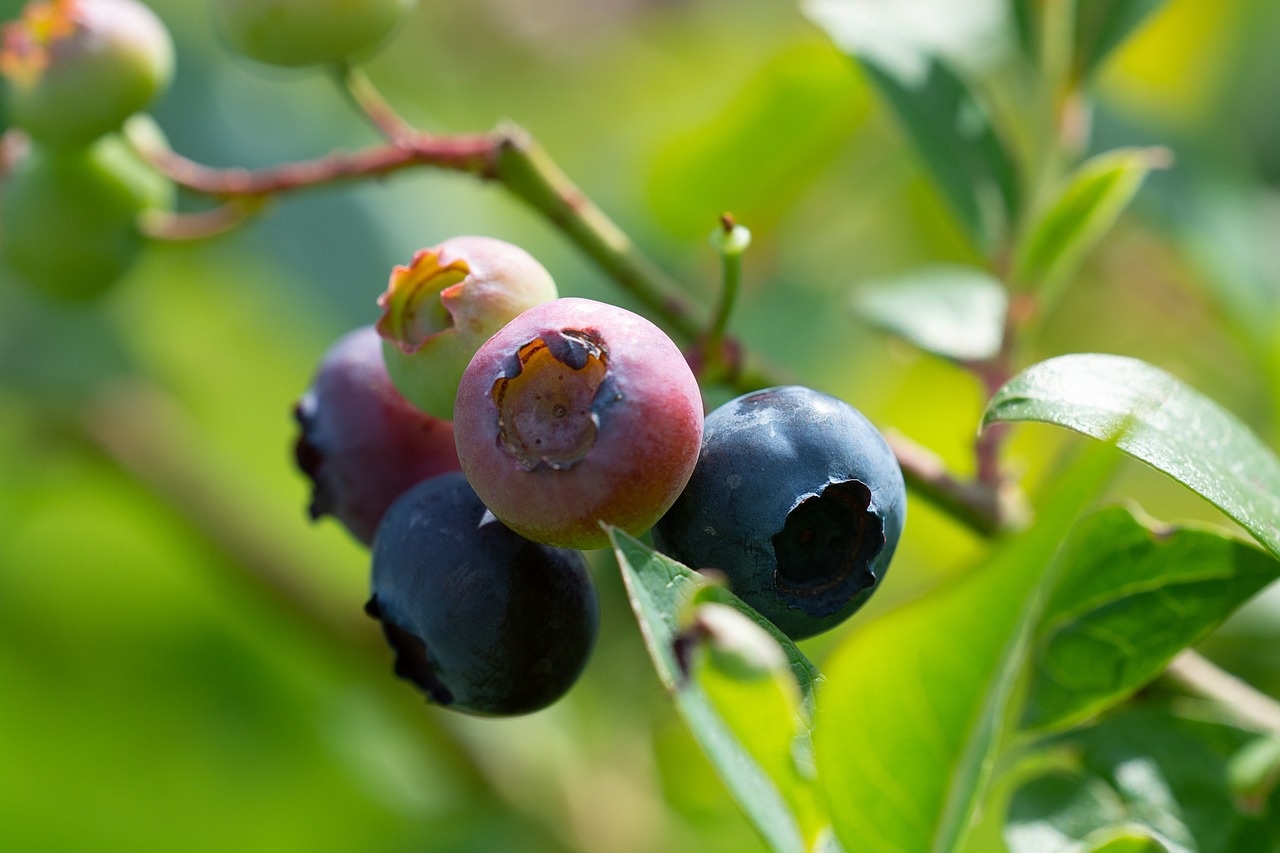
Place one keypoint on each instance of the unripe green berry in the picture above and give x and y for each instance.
(70, 216)
(449, 300)
(306, 32)
(76, 69)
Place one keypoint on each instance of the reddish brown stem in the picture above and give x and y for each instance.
(510, 157)
(474, 154)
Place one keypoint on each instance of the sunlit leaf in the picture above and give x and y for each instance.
(911, 52)
(953, 311)
(1126, 601)
(1154, 417)
(1087, 207)
(1071, 813)
(1140, 775)
(766, 146)
(741, 740)
(910, 714)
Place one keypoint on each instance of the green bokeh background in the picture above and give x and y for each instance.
(184, 663)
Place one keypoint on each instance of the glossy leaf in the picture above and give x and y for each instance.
(758, 767)
(909, 50)
(1083, 212)
(910, 714)
(956, 312)
(1154, 417)
(1127, 600)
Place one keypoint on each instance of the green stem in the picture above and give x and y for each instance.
(730, 241)
(509, 156)
(529, 173)
(368, 101)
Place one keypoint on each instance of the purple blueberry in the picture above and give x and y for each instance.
(481, 619)
(362, 444)
(798, 500)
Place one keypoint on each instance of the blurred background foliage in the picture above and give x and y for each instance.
(184, 663)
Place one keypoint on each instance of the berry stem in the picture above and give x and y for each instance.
(529, 173)
(730, 240)
(368, 101)
(510, 156)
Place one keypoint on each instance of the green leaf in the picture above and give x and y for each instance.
(740, 159)
(910, 51)
(1157, 419)
(1126, 601)
(1073, 813)
(909, 717)
(1141, 772)
(1102, 25)
(758, 767)
(956, 312)
(1087, 207)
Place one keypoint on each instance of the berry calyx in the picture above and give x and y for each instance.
(578, 413)
(798, 500)
(444, 304)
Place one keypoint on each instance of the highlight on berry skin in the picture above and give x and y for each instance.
(577, 413)
(449, 299)
(798, 500)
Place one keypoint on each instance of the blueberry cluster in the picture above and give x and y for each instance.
(568, 416)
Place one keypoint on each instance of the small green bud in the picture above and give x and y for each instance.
(76, 69)
(70, 216)
(735, 645)
(306, 32)
(1254, 772)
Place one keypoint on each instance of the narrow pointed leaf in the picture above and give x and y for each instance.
(1103, 25)
(757, 767)
(1126, 601)
(909, 50)
(1090, 203)
(1154, 417)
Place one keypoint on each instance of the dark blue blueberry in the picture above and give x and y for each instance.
(480, 618)
(798, 500)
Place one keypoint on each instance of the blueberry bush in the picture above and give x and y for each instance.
(605, 509)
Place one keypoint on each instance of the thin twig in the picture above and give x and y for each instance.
(510, 156)
(1251, 707)
(369, 102)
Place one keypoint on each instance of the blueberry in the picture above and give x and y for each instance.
(798, 499)
(480, 618)
(578, 412)
(362, 444)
